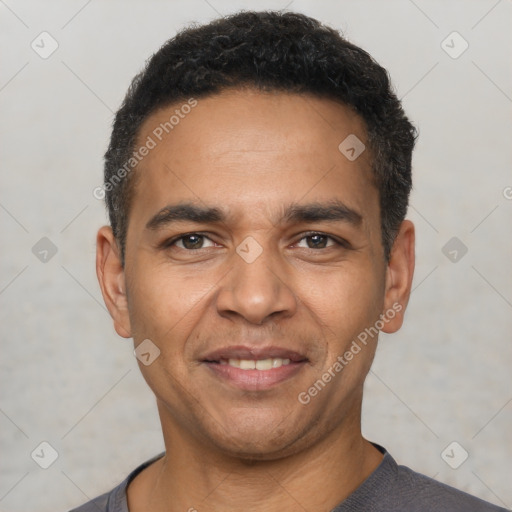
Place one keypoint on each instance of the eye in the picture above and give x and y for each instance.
(192, 241)
(317, 241)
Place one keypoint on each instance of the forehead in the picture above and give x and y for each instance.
(251, 151)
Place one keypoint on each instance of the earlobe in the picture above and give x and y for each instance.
(399, 276)
(111, 278)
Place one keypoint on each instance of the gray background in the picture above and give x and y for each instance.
(68, 379)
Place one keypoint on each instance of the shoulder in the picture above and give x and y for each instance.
(99, 504)
(115, 500)
(112, 501)
(425, 493)
(395, 488)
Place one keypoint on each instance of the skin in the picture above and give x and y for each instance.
(251, 155)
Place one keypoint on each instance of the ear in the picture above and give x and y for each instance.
(111, 277)
(399, 276)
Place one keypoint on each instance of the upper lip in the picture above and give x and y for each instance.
(247, 352)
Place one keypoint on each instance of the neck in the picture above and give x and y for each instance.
(191, 477)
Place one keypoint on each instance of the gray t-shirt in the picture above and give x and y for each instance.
(390, 488)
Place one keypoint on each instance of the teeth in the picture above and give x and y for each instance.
(247, 364)
(264, 364)
(261, 364)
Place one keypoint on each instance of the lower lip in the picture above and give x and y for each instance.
(255, 380)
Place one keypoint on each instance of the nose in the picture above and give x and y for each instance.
(256, 290)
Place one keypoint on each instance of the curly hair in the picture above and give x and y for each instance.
(269, 51)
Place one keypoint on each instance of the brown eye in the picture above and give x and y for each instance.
(317, 241)
(192, 241)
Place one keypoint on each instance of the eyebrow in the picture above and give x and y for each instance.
(314, 212)
(319, 212)
(185, 212)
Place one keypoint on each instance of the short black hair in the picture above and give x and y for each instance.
(269, 51)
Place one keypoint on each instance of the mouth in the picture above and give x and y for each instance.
(254, 368)
(256, 364)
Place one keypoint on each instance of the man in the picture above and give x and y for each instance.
(257, 182)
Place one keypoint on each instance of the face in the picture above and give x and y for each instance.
(254, 261)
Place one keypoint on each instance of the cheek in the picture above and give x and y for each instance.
(345, 299)
(348, 306)
(165, 306)
(164, 302)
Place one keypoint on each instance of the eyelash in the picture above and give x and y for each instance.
(337, 241)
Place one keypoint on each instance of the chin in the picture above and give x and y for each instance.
(255, 437)
(256, 450)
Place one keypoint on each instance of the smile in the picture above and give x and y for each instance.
(256, 364)
(251, 368)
